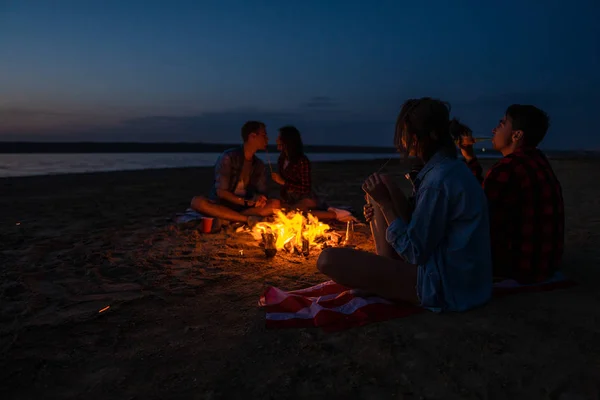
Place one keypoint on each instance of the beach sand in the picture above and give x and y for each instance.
(183, 320)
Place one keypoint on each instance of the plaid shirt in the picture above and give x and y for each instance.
(228, 169)
(297, 176)
(527, 215)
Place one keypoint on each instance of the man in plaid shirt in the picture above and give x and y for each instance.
(525, 198)
(239, 191)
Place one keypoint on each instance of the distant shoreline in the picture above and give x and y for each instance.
(195, 147)
(167, 147)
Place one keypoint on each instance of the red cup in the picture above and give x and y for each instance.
(207, 224)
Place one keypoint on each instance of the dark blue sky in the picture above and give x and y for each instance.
(339, 70)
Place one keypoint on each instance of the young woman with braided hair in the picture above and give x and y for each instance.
(436, 255)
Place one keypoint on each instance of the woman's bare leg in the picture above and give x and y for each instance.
(308, 205)
(378, 230)
(382, 276)
(379, 225)
(209, 207)
(267, 210)
(323, 215)
(399, 199)
(304, 205)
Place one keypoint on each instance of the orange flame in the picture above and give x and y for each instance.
(291, 228)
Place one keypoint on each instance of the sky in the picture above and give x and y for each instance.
(177, 70)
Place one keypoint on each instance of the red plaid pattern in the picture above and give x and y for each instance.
(527, 215)
(297, 176)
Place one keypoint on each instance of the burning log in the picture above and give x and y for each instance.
(289, 247)
(305, 247)
(333, 239)
(269, 241)
(294, 233)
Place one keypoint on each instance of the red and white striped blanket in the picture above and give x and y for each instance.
(334, 307)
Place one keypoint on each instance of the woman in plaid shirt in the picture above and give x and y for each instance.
(295, 179)
(294, 174)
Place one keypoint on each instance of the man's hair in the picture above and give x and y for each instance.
(291, 140)
(251, 127)
(531, 120)
(419, 118)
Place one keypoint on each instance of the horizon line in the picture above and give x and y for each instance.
(33, 147)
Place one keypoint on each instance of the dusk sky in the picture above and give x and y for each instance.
(339, 70)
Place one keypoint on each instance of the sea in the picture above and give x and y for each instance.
(14, 165)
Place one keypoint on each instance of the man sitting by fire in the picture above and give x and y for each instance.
(524, 195)
(239, 192)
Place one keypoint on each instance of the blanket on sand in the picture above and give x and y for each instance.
(333, 307)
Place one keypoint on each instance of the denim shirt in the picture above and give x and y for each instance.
(448, 237)
(228, 169)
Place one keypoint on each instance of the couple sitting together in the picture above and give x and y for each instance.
(442, 248)
(239, 192)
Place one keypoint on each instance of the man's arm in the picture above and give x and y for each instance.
(466, 148)
(222, 179)
(475, 168)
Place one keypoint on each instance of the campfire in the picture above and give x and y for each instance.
(295, 233)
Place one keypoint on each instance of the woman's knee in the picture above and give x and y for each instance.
(307, 204)
(198, 202)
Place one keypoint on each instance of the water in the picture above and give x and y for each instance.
(12, 165)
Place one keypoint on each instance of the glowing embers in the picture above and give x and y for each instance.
(295, 233)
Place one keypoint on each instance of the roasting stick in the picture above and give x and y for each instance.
(268, 159)
(384, 164)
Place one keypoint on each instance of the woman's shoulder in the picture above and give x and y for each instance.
(448, 174)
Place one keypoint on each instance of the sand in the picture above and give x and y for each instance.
(183, 320)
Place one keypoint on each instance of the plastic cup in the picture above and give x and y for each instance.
(207, 224)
